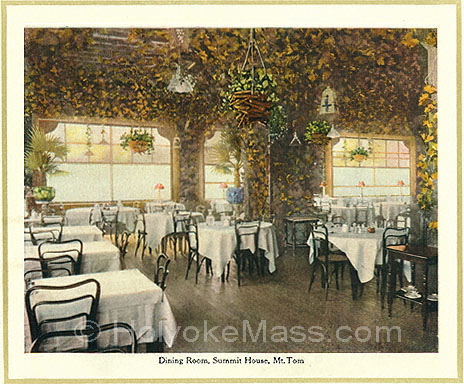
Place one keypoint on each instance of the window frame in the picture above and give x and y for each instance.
(408, 139)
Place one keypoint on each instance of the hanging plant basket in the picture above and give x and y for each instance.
(138, 141)
(138, 146)
(316, 132)
(359, 158)
(359, 154)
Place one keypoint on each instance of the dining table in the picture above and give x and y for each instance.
(97, 256)
(157, 226)
(84, 233)
(126, 296)
(155, 206)
(363, 250)
(218, 242)
(91, 215)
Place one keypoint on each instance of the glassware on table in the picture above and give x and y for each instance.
(210, 218)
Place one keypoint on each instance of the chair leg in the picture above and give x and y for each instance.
(313, 275)
(336, 276)
(238, 261)
(189, 263)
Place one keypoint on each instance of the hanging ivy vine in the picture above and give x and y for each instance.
(427, 162)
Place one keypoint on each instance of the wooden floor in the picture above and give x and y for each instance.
(279, 302)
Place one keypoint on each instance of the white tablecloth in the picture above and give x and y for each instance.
(154, 206)
(130, 297)
(364, 251)
(221, 206)
(98, 256)
(81, 216)
(218, 243)
(84, 233)
(157, 226)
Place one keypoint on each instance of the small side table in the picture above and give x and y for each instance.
(427, 256)
(291, 224)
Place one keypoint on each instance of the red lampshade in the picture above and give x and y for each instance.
(323, 184)
(361, 184)
(223, 186)
(400, 183)
(159, 186)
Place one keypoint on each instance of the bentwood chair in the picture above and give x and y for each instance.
(193, 256)
(141, 232)
(37, 235)
(110, 224)
(162, 271)
(52, 252)
(324, 258)
(179, 237)
(120, 337)
(247, 247)
(60, 266)
(57, 308)
(391, 236)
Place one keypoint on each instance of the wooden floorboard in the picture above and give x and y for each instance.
(281, 300)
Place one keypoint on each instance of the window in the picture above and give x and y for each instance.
(98, 169)
(390, 161)
(213, 178)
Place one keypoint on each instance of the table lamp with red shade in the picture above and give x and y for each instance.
(159, 187)
(323, 185)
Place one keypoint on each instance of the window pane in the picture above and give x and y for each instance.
(404, 163)
(392, 146)
(101, 153)
(402, 147)
(121, 155)
(82, 182)
(352, 176)
(351, 144)
(76, 153)
(75, 133)
(338, 162)
(137, 181)
(379, 146)
(386, 176)
(162, 155)
(392, 162)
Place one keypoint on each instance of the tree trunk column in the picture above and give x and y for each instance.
(256, 181)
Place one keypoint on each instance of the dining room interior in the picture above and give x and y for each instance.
(230, 190)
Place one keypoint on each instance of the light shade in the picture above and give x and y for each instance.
(323, 184)
(333, 133)
(361, 184)
(179, 83)
(223, 186)
(400, 183)
(159, 186)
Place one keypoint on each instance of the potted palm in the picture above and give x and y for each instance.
(228, 158)
(40, 156)
(138, 140)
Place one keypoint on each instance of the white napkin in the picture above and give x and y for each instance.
(312, 252)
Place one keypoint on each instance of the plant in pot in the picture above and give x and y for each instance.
(228, 158)
(359, 154)
(316, 132)
(138, 140)
(40, 155)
